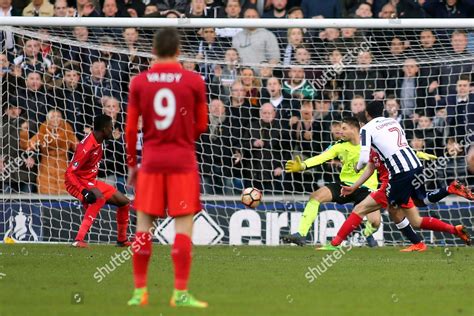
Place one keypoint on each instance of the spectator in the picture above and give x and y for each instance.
(358, 105)
(81, 53)
(131, 39)
(365, 80)
(350, 38)
(86, 8)
(265, 72)
(198, 9)
(297, 87)
(61, 8)
(15, 177)
(171, 5)
(233, 10)
(264, 166)
(256, 45)
(32, 59)
(285, 113)
(111, 10)
(10, 77)
(397, 50)
(189, 64)
(226, 74)
(7, 40)
(151, 10)
(53, 140)
(450, 70)
(209, 50)
(332, 79)
(39, 8)
(215, 152)
(294, 40)
(455, 165)
(411, 89)
(323, 116)
(364, 10)
(457, 107)
(117, 64)
(295, 13)
(427, 44)
(427, 132)
(251, 86)
(451, 9)
(71, 100)
(277, 11)
(33, 99)
(418, 143)
(114, 168)
(238, 113)
(389, 11)
(239, 107)
(392, 110)
(302, 56)
(329, 9)
(98, 85)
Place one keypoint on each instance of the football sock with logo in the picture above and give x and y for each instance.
(309, 215)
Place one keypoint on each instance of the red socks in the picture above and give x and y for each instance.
(351, 223)
(182, 257)
(435, 224)
(141, 248)
(122, 222)
(91, 213)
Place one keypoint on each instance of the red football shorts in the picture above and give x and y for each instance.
(176, 194)
(106, 189)
(380, 196)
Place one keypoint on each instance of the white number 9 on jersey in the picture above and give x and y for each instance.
(167, 112)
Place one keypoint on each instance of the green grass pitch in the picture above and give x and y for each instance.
(59, 280)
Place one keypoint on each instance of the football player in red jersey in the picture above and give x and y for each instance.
(172, 103)
(81, 182)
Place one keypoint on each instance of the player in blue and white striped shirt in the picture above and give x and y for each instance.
(387, 137)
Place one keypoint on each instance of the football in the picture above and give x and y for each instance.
(251, 197)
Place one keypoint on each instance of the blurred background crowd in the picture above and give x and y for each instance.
(273, 93)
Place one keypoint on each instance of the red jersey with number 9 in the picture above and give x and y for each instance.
(168, 98)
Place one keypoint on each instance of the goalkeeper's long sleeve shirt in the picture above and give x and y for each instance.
(348, 154)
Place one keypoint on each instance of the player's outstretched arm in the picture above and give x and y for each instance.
(297, 165)
(369, 170)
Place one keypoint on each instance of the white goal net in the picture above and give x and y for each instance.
(273, 93)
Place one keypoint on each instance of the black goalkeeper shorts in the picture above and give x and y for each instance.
(358, 196)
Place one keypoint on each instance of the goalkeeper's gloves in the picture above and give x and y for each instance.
(89, 196)
(425, 156)
(295, 165)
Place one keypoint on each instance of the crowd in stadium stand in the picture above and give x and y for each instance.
(268, 99)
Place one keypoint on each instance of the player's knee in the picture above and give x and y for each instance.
(315, 196)
(395, 215)
(359, 210)
(375, 221)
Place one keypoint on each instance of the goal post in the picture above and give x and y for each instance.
(283, 83)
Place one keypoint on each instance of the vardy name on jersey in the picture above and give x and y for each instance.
(164, 77)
